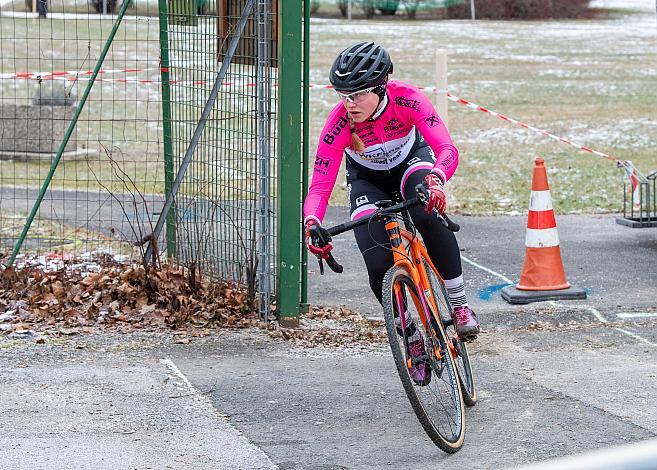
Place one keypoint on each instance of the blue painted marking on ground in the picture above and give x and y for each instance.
(488, 292)
(589, 290)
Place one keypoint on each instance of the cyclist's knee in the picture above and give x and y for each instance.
(424, 221)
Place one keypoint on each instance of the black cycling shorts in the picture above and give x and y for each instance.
(365, 187)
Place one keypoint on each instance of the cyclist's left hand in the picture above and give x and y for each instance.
(320, 248)
(437, 196)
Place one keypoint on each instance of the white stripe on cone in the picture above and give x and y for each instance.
(540, 201)
(542, 238)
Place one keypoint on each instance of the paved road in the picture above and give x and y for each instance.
(243, 400)
(554, 378)
(617, 265)
(542, 394)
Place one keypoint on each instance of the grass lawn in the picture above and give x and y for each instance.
(591, 81)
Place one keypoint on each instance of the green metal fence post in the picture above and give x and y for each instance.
(166, 125)
(67, 135)
(306, 131)
(290, 136)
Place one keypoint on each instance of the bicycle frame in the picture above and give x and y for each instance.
(411, 258)
(411, 281)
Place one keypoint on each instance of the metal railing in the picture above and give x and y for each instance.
(640, 213)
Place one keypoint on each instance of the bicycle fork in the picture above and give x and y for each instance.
(402, 256)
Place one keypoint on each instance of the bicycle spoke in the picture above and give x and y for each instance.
(461, 358)
(435, 396)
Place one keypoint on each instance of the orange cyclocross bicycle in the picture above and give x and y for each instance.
(413, 291)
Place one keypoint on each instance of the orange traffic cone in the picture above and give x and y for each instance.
(543, 276)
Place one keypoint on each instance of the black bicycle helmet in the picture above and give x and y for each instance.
(360, 66)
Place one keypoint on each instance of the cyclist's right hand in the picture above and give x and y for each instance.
(436, 194)
(317, 240)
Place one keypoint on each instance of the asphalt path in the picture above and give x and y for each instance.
(554, 378)
(542, 394)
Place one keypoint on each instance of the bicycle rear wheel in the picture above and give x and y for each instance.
(438, 405)
(459, 347)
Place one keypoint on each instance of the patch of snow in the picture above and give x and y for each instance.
(56, 261)
(639, 5)
(508, 134)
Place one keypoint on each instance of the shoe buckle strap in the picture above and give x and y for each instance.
(423, 359)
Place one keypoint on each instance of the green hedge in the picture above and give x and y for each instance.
(521, 9)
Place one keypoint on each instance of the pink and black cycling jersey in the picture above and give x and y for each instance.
(390, 136)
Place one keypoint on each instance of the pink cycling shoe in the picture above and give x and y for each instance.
(419, 370)
(466, 323)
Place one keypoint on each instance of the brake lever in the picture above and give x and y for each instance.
(330, 260)
(334, 265)
(446, 221)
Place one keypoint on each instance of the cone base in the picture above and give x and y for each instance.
(515, 296)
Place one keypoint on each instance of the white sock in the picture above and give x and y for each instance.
(456, 290)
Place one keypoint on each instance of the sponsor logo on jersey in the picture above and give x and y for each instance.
(385, 156)
(361, 200)
(322, 165)
(393, 125)
(330, 136)
(407, 103)
(432, 120)
(448, 160)
(375, 152)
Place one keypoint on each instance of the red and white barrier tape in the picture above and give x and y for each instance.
(66, 74)
(74, 76)
(633, 174)
(477, 107)
(155, 81)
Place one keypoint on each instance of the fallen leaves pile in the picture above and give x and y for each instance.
(127, 297)
(119, 294)
(333, 327)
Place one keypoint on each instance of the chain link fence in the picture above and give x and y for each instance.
(111, 178)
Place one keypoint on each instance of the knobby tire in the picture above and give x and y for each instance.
(463, 364)
(397, 275)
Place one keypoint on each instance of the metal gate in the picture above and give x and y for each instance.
(92, 173)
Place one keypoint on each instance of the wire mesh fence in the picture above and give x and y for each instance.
(110, 184)
(225, 222)
(115, 152)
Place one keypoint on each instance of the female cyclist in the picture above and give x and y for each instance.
(393, 140)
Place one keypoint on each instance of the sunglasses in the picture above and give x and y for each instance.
(356, 96)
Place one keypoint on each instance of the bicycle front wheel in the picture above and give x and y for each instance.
(459, 348)
(437, 402)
